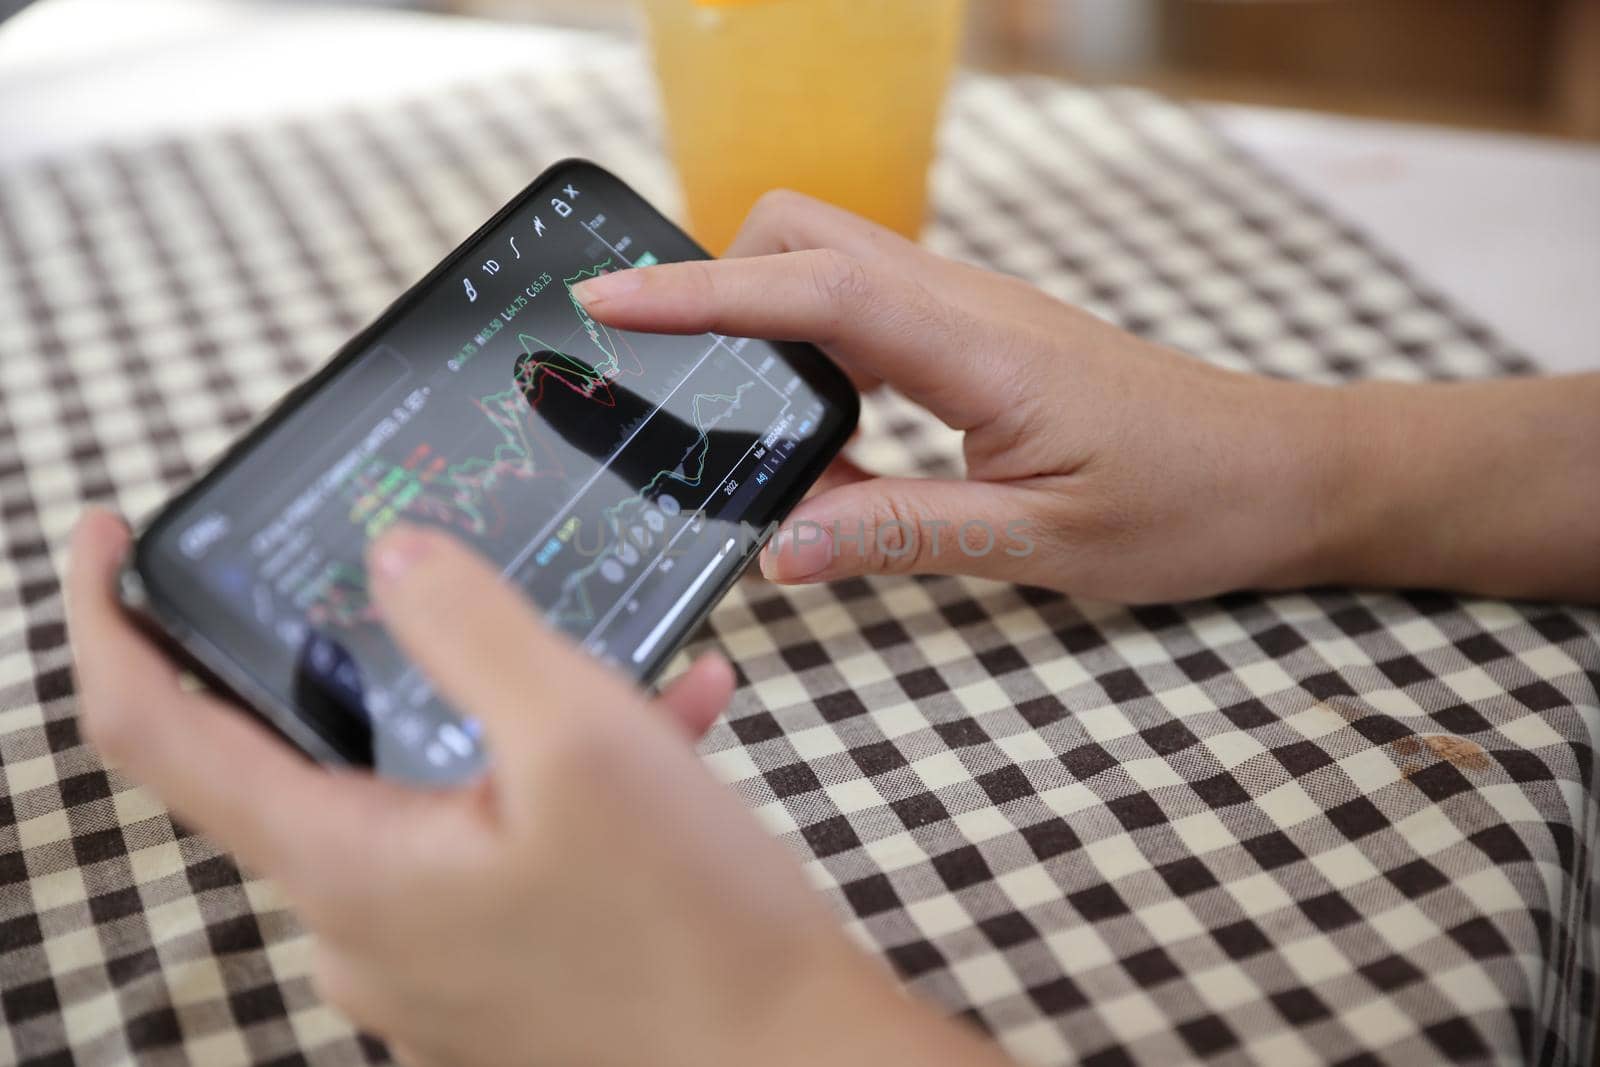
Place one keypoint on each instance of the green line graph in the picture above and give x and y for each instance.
(463, 493)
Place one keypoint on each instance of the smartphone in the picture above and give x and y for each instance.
(622, 480)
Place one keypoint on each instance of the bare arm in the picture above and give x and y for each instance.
(1136, 473)
(1481, 487)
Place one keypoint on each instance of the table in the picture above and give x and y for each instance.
(1333, 825)
(1506, 226)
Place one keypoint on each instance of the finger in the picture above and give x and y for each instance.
(216, 768)
(696, 697)
(842, 471)
(874, 321)
(786, 221)
(479, 642)
(905, 526)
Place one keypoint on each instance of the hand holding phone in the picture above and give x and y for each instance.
(622, 480)
(597, 897)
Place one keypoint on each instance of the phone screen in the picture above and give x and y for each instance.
(622, 480)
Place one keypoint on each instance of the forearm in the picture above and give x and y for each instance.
(1480, 487)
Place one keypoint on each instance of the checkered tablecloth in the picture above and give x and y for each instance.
(1331, 826)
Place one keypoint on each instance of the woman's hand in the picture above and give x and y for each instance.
(1097, 462)
(597, 899)
(1110, 467)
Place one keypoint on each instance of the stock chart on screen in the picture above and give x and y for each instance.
(604, 472)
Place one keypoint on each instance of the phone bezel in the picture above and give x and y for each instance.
(160, 611)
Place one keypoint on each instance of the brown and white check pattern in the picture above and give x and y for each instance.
(1332, 826)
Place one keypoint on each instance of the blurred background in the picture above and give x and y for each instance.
(1530, 66)
(1463, 134)
(1525, 65)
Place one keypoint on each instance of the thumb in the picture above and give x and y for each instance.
(697, 696)
(904, 526)
(479, 642)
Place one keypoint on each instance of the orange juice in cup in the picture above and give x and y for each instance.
(836, 98)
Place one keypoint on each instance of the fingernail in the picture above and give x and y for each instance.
(605, 287)
(397, 551)
(800, 550)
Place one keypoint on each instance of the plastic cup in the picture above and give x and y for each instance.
(836, 98)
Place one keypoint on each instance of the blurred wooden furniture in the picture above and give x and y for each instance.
(1531, 65)
(1526, 65)
(1578, 69)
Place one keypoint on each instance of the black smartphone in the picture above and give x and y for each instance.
(622, 480)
